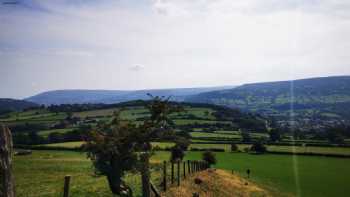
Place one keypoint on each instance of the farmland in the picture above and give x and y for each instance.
(41, 174)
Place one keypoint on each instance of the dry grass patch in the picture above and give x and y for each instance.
(217, 183)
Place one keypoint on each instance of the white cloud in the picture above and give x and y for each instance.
(137, 68)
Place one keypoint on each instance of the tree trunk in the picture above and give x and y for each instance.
(145, 175)
(114, 177)
(6, 152)
(114, 184)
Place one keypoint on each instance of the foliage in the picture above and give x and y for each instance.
(177, 154)
(234, 147)
(209, 157)
(258, 147)
(275, 135)
(112, 148)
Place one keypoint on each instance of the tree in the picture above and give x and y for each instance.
(275, 135)
(335, 135)
(258, 147)
(209, 157)
(234, 147)
(34, 138)
(112, 149)
(158, 122)
(177, 154)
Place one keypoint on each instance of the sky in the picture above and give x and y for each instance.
(151, 44)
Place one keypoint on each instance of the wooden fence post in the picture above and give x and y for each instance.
(178, 173)
(6, 154)
(184, 164)
(189, 167)
(164, 176)
(172, 172)
(66, 186)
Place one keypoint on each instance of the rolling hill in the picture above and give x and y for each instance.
(113, 96)
(326, 95)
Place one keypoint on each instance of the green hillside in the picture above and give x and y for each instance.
(325, 98)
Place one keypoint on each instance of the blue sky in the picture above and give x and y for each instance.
(123, 44)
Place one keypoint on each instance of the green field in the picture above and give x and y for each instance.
(42, 173)
(227, 147)
(215, 135)
(46, 133)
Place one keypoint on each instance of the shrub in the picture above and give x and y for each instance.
(209, 157)
(258, 147)
(177, 154)
(234, 147)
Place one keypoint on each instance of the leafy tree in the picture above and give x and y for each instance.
(177, 154)
(178, 151)
(209, 157)
(258, 147)
(335, 135)
(158, 122)
(275, 135)
(234, 147)
(34, 138)
(112, 149)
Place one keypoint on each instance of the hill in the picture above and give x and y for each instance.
(327, 96)
(114, 96)
(14, 105)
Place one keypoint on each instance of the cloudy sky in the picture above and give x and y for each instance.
(124, 44)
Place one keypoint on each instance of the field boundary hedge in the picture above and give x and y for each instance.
(309, 154)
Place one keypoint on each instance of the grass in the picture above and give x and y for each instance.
(42, 173)
(46, 133)
(194, 121)
(218, 183)
(227, 147)
(95, 113)
(215, 135)
(225, 134)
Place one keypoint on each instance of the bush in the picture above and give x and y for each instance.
(177, 154)
(209, 157)
(234, 147)
(258, 147)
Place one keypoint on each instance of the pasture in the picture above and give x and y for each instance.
(41, 174)
(227, 147)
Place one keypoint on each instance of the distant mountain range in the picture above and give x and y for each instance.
(325, 96)
(114, 96)
(14, 105)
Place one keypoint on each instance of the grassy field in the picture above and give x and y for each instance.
(241, 147)
(42, 173)
(45, 133)
(225, 134)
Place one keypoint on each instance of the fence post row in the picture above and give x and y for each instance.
(192, 167)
